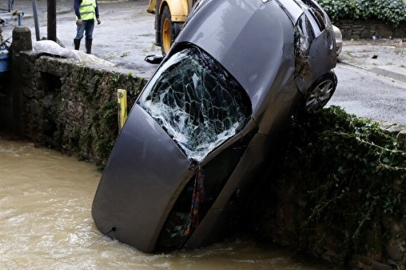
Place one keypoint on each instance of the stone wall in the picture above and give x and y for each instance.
(72, 106)
(310, 204)
(366, 29)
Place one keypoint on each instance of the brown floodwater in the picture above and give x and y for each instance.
(45, 223)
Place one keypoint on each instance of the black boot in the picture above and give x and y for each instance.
(89, 45)
(77, 43)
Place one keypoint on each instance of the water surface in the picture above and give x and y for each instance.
(46, 223)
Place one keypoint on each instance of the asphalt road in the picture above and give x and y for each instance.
(368, 86)
(369, 95)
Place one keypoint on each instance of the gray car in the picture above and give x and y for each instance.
(211, 119)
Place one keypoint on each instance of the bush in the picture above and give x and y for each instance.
(350, 174)
(390, 11)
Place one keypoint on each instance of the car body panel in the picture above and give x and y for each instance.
(250, 167)
(318, 51)
(137, 171)
(239, 34)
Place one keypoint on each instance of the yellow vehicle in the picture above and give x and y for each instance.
(169, 18)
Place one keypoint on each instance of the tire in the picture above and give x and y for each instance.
(320, 93)
(169, 30)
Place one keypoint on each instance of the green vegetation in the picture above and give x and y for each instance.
(115, 79)
(390, 11)
(106, 124)
(352, 174)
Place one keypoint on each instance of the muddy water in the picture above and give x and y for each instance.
(45, 223)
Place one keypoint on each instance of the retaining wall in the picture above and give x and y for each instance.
(331, 194)
(72, 106)
(366, 29)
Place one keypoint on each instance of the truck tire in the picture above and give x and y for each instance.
(169, 30)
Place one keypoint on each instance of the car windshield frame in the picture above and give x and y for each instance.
(196, 101)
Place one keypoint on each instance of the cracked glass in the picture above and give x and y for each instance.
(196, 101)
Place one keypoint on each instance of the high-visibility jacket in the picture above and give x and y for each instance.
(87, 10)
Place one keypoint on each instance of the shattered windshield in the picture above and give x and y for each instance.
(196, 101)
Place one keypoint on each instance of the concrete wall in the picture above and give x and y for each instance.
(71, 106)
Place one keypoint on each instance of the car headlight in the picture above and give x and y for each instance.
(337, 33)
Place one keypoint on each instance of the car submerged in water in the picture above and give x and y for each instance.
(204, 126)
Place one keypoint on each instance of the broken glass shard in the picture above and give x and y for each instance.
(196, 102)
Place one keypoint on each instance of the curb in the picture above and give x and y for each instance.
(379, 71)
(388, 73)
(63, 11)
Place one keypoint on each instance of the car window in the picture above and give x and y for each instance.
(319, 18)
(304, 36)
(196, 101)
(315, 14)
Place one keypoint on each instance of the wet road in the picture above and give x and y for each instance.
(367, 95)
(125, 36)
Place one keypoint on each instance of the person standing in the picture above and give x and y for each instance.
(10, 5)
(87, 12)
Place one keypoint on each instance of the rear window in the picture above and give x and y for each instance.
(196, 101)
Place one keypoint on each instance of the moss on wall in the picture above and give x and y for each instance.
(339, 190)
(72, 107)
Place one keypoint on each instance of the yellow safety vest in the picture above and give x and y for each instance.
(87, 10)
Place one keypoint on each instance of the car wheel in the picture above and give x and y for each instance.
(320, 92)
(169, 30)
